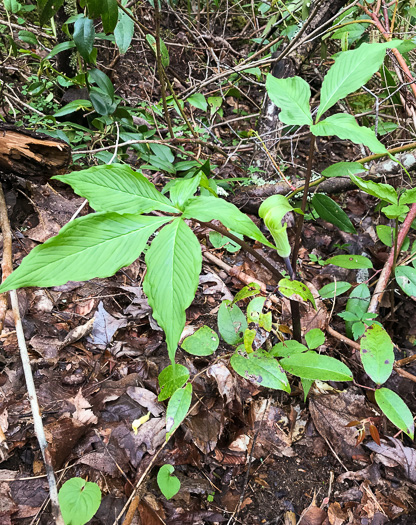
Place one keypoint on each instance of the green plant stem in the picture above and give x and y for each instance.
(181, 111)
(300, 220)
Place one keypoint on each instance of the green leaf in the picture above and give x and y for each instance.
(261, 369)
(79, 500)
(329, 211)
(209, 208)
(170, 379)
(102, 103)
(377, 353)
(408, 196)
(254, 309)
(406, 279)
(178, 407)
(198, 101)
(183, 189)
(310, 365)
(203, 342)
(292, 96)
(73, 106)
(102, 81)
(290, 288)
(169, 485)
(92, 246)
(357, 304)
(272, 211)
(47, 9)
(174, 262)
(394, 211)
(396, 410)
(331, 290)
(107, 9)
(231, 323)
(84, 35)
(306, 385)
(63, 46)
(382, 191)
(314, 338)
(247, 291)
(287, 348)
(345, 127)
(385, 234)
(117, 188)
(164, 54)
(123, 32)
(352, 262)
(352, 69)
(343, 169)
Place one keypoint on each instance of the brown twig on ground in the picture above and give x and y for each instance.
(24, 355)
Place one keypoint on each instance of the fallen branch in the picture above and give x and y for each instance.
(24, 355)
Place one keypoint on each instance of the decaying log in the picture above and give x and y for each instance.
(29, 154)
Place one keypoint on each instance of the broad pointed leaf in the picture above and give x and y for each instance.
(310, 365)
(107, 9)
(96, 245)
(209, 208)
(330, 211)
(47, 9)
(382, 191)
(345, 127)
(174, 263)
(178, 407)
(343, 169)
(123, 32)
(184, 189)
(377, 353)
(406, 279)
(84, 34)
(261, 369)
(396, 410)
(292, 96)
(117, 188)
(352, 69)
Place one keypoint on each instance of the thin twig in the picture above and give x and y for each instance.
(24, 355)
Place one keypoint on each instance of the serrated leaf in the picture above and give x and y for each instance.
(352, 69)
(174, 262)
(352, 262)
(345, 127)
(290, 288)
(382, 191)
(209, 208)
(292, 96)
(92, 246)
(231, 323)
(203, 342)
(310, 365)
(343, 169)
(396, 410)
(261, 369)
(170, 379)
(329, 211)
(47, 9)
(123, 32)
(314, 338)
(79, 500)
(178, 407)
(377, 353)
(287, 348)
(84, 35)
(169, 485)
(331, 290)
(117, 188)
(406, 279)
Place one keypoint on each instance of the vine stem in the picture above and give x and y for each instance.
(27, 370)
(385, 274)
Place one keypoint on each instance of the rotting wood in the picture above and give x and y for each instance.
(28, 153)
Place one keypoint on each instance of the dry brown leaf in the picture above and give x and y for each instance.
(394, 456)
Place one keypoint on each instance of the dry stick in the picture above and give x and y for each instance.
(24, 355)
(385, 274)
